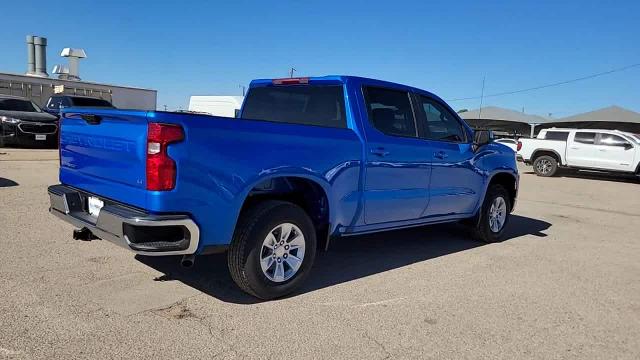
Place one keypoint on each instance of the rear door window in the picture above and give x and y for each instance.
(297, 104)
(557, 135)
(585, 137)
(390, 111)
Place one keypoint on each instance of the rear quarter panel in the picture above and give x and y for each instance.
(222, 159)
(530, 146)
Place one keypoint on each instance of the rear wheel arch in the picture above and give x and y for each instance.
(548, 152)
(307, 193)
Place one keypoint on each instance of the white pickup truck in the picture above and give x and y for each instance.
(589, 149)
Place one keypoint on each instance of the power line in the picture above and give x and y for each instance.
(549, 85)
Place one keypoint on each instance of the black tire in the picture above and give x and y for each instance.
(246, 247)
(481, 229)
(545, 166)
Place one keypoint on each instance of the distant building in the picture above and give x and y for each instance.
(39, 89)
(37, 86)
(506, 122)
(612, 117)
(503, 121)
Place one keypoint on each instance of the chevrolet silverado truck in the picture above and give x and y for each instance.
(308, 160)
(582, 149)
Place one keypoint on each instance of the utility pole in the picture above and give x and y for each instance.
(291, 72)
(481, 98)
(243, 89)
(165, 107)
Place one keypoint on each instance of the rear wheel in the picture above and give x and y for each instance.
(273, 249)
(545, 165)
(494, 215)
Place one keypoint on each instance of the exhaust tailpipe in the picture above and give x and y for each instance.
(84, 234)
(188, 261)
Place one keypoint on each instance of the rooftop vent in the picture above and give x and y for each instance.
(74, 56)
(62, 71)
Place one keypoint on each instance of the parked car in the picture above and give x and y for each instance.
(309, 159)
(58, 102)
(511, 143)
(603, 150)
(22, 122)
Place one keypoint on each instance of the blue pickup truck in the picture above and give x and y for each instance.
(308, 160)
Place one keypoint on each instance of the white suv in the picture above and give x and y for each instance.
(603, 150)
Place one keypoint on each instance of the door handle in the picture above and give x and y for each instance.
(91, 119)
(379, 151)
(440, 154)
(603, 150)
(575, 148)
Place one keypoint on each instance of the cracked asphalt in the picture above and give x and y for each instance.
(564, 285)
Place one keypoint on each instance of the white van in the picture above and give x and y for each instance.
(227, 106)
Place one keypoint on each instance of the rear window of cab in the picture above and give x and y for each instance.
(318, 105)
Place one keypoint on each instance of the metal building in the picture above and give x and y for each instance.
(36, 84)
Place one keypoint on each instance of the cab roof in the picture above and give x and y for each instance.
(339, 79)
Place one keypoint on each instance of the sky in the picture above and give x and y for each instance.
(183, 48)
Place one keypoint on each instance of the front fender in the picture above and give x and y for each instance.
(492, 160)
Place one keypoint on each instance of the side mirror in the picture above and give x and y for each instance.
(481, 138)
(628, 146)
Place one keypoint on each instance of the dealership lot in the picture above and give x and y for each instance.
(566, 284)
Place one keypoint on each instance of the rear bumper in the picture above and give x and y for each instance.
(519, 158)
(140, 232)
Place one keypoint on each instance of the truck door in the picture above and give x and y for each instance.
(398, 163)
(456, 183)
(582, 150)
(615, 153)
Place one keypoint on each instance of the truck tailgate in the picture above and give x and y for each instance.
(104, 152)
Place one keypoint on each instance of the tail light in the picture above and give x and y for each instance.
(161, 169)
(519, 146)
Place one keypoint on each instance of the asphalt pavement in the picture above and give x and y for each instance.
(564, 285)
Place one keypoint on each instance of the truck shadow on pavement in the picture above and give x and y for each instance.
(348, 258)
(7, 182)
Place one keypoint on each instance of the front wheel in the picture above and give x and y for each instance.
(273, 249)
(494, 215)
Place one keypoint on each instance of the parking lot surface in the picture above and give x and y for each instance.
(564, 285)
